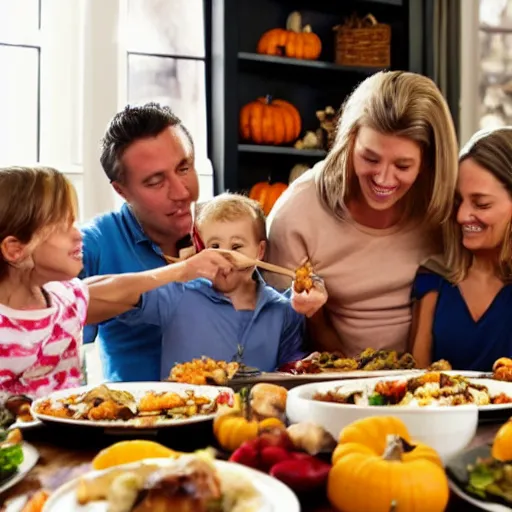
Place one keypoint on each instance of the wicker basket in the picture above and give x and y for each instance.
(363, 42)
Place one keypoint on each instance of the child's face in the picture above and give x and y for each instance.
(59, 256)
(238, 235)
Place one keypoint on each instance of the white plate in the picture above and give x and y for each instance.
(26, 425)
(323, 376)
(276, 497)
(30, 457)
(483, 505)
(137, 389)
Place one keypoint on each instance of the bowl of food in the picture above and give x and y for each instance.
(438, 409)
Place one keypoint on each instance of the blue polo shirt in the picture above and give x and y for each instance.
(114, 243)
(196, 320)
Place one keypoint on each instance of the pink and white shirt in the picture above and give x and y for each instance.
(40, 349)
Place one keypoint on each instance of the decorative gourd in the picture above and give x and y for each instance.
(376, 469)
(296, 41)
(232, 429)
(270, 121)
(297, 171)
(502, 445)
(267, 194)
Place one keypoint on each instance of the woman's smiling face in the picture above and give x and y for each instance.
(386, 167)
(484, 207)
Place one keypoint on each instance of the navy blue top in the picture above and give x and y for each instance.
(456, 337)
(197, 320)
(114, 243)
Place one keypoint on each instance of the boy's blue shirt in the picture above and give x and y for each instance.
(196, 320)
(115, 243)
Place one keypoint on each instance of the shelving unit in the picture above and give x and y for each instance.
(240, 75)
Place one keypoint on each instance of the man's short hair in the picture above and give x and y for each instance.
(131, 124)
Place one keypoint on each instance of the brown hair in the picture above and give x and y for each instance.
(131, 124)
(33, 200)
(407, 105)
(230, 207)
(492, 150)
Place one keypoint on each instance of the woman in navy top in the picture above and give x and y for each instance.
(463, 308)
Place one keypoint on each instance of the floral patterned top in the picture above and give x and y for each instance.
(40, 349)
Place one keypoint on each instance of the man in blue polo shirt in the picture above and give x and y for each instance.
(148, 156)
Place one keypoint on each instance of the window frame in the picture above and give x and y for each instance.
(82, 105)
(469, 72)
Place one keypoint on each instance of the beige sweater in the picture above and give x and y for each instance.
(368, 272)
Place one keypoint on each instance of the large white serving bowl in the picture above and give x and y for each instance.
(447, 429)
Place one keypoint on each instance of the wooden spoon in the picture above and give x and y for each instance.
(242, 262)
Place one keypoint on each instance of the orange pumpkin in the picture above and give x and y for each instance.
(269, 121)
(267, 194)
(295, 41)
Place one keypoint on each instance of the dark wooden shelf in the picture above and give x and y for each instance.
(273, 60)
(281, 150)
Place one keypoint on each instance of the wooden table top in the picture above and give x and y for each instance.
(67, 453)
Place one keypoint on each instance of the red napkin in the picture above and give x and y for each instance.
(196, 240)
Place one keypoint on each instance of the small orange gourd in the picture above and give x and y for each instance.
(232, 429)
(502, 445)
(267, 194)
(376, 469)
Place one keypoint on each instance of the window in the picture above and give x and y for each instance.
(20, 53)
(165, 42)
(64, 75)
(486, 92)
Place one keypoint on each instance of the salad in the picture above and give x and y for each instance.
(491, 477)
(11, 453)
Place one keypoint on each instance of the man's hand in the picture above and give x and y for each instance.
(206, 264)
(308, 303)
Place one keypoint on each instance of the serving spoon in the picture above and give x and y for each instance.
(242, 262)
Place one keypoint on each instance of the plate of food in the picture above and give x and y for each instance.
(17, 458)
(439, 409)
(136, 405)
(190, 482)
(369, 363)
(430, 389)
(317, 367)
(476, 477)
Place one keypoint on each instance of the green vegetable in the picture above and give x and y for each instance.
(376, 399)
(10, 459)
(491, 477)
(480, 477)
(6, 417)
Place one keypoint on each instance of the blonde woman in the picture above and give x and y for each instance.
(369, 213)
(463, 309)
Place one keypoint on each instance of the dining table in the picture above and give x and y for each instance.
(66, 452)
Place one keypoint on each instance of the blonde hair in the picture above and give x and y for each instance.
(231, 207)
(492, 150)
(406, 105)
(33, 200)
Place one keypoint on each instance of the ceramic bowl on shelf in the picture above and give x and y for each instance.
(447, 429)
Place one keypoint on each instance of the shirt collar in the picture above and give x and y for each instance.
(266, 294)
(133, 225)
(138, 234)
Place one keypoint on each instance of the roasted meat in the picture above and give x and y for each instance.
(303, 278)
(194, 487)
(102, 403)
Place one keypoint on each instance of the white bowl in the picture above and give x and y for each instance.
(447, 429)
